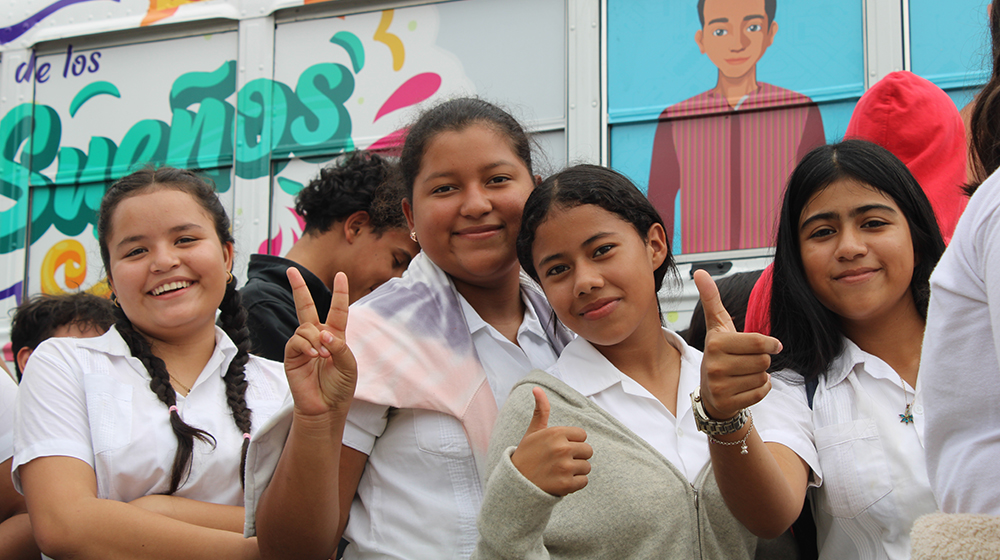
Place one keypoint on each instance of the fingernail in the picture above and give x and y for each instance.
(324, 352)
(312, 352)
(327, 338)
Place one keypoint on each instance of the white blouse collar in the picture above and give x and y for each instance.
(584, 368)
(112, 344)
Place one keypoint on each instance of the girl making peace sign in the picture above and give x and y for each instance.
(438, 351)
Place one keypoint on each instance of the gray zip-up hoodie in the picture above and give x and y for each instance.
(635, 505)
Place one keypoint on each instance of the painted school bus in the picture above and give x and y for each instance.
(259, 94)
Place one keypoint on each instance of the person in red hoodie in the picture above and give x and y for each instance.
(916, 121)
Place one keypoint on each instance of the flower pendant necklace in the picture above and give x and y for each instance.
(907, 416)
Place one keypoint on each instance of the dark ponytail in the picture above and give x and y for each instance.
(232, 317)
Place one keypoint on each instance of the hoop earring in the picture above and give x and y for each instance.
(413, 236)
(114, 300)
(231, 277)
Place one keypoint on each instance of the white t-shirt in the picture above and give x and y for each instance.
(959, 367)
(88, 398)
(420, 492)
(869, 476)
(585, 369)
(8, 392)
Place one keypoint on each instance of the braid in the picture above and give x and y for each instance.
(232, 319)
(159, 383)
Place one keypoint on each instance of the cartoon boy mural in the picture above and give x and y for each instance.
(727, 152)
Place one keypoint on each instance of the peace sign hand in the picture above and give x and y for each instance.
(321, 368)
(734, 367)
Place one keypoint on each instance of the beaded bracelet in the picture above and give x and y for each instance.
(742, 442)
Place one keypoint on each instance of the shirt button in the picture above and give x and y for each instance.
(680, 432)
(919, 409)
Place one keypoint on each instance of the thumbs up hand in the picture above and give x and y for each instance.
(734, 367)
(554, 459)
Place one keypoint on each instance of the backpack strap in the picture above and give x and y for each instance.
(811, 386)
(804, 528)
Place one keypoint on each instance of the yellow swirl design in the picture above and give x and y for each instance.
(390, 40)
(69, 254)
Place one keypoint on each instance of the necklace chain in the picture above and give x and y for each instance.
(907, 416)
(187, 389)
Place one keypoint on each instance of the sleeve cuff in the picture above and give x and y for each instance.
(515, 512)
(365, 423)
(262, 459)
(51, 448)
(6, 446)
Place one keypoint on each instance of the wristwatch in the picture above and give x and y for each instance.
(715, 427)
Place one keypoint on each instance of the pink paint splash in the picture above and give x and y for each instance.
(413, 91)
(275, 246)
(391, 144)
(276, 242)
(299, 219)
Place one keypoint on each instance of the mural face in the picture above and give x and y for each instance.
(716, 128)
(735, 35)
(721, 158)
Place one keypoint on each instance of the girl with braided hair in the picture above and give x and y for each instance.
(132, 444)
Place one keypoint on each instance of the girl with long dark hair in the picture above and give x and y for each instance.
(843, 415)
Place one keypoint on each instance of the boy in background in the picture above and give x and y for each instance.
(78, 315)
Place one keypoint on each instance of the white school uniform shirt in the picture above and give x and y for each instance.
(585, 369)
(505, 362)
(89, 399)
(869, 477)
(420, 493)
(8, 392)
(960, 361)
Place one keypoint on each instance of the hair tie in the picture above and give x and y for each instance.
(246, 436)
(172, 408)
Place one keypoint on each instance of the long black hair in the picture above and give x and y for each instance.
(984, 123)
(811, 333)
(232, 316)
